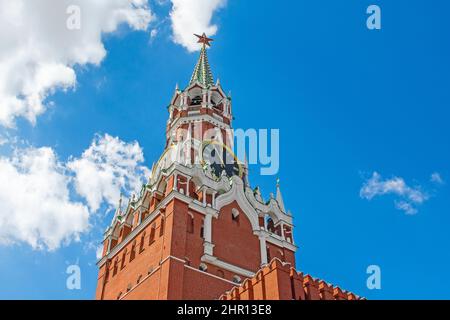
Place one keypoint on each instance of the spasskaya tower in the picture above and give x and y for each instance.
(198, 230)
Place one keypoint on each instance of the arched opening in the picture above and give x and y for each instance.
(196, 101)
(235, 215)
(124, 257)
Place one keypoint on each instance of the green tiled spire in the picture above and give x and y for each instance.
(202, 72)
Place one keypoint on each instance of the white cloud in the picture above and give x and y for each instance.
(35, 190)
(153, 34)
(106, 168)
(38, 52)
(436, 178)
(193, 16)
(99, 252)
(406, 207)
(410, 197)
(35, 205)
(3, 140)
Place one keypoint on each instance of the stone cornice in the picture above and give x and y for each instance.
(227, 266)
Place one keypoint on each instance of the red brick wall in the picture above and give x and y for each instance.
(278, 281)
(149, 257)
(165, 258)
(234, 242)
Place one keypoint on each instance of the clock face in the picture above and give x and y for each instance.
(219, 158)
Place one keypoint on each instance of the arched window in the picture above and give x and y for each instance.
(235, 215)
(270, 225)
(124, 257)
(196, 101)
(133, 251)
(139, 279)
(116, 262)
(190, 223)
(161, 228)
(141, 245)
(202, 230)
(152, 234)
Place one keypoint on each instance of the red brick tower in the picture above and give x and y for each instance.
(197, 229)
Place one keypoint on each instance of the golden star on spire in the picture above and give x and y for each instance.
(204, 39)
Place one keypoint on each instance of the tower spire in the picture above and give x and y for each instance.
(279, 197)
(202, 72)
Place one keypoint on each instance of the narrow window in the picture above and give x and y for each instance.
(268, 254)
(161, 230)
(141, 245)
(152, 234)
(115, 267)
(190, 223)
(202, 230)
(133, 251)
(124, 256)
(235, 215)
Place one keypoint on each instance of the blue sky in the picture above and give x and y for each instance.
(348, 102)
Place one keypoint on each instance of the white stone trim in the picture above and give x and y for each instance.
(263, 249)
(276, 241)
(237, 194)
(227, 266)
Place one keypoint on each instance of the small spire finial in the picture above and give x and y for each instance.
(279, 197)
(204, 39)
(120, 201)
(202, 72)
